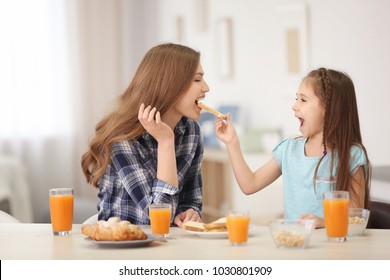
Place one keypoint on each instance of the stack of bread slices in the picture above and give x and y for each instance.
(216, 226)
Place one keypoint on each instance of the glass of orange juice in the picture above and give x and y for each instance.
(238, 226)
(336, 206)
(160, 218)
(61, 210)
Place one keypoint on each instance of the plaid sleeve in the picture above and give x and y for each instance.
(191, 194)
(138, 186)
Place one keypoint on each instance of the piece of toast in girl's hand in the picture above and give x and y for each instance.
(212, 111)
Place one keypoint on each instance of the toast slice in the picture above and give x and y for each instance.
(193, 226)
(212, 111)
(217, 224)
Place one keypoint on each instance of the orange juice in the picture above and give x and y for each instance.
(237, 228)
(336, 217)
(61, 210)
(160, 218)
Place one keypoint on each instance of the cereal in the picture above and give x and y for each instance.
(356, 220)
(356, 225)
(289, 239)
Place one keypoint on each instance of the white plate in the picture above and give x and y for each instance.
(125, 243)
(217, 235)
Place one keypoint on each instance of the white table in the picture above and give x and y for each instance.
(35, 241)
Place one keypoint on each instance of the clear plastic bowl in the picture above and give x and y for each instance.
(291, 234)
(357, 221)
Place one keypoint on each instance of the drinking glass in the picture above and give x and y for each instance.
(61, 210)
(238, 226)
(160, 218)
(336, 207)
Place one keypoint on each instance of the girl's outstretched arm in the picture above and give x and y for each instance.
(249, 182)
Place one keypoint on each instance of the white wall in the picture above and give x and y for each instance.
(349, 35)
(109, 38)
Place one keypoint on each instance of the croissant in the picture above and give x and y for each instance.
(114, 229)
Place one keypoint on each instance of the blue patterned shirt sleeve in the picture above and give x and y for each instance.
(129, 184)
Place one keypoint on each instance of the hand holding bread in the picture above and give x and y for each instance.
(114, 229)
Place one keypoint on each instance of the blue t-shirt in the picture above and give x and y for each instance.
(300, 195)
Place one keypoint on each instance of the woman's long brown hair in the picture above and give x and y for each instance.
(165, 73)
(341, 124)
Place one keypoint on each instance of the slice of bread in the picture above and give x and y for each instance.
(220, 229)
(220, 223)
(193, 226)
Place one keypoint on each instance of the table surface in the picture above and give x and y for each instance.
(36, 241)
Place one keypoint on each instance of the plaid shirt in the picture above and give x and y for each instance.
(129, 184)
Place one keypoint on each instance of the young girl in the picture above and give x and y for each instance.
(149, 148)
(329, 155)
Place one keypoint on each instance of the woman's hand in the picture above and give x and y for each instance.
(166, 159)
(151, 120)
(318, 222)
(188, 215)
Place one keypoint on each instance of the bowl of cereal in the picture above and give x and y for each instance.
(357, 221)
(291, 234)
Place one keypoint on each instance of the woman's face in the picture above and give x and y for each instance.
(187, 104)
(309, 110)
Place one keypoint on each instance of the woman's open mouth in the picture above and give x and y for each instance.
(197, 101)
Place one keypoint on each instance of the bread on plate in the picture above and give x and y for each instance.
(114, 229)
(216, 226)
(193, 226)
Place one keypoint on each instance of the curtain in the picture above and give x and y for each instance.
(35, 109)
(63, 63)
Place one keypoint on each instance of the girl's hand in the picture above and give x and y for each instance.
(151, 120)
(318, 222)
(225, 131)
(188, 215)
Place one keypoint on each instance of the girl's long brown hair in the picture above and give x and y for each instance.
(165, 73)
(341, 124)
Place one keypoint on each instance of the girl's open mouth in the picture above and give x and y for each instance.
(301, 121)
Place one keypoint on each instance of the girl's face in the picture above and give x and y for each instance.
(187, 104)
(309, 110)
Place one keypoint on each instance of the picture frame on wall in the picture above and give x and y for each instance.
(202, 15)
(180, 29)
(224, 52)
(292, 43)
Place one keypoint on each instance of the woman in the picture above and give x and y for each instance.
(149, 148)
